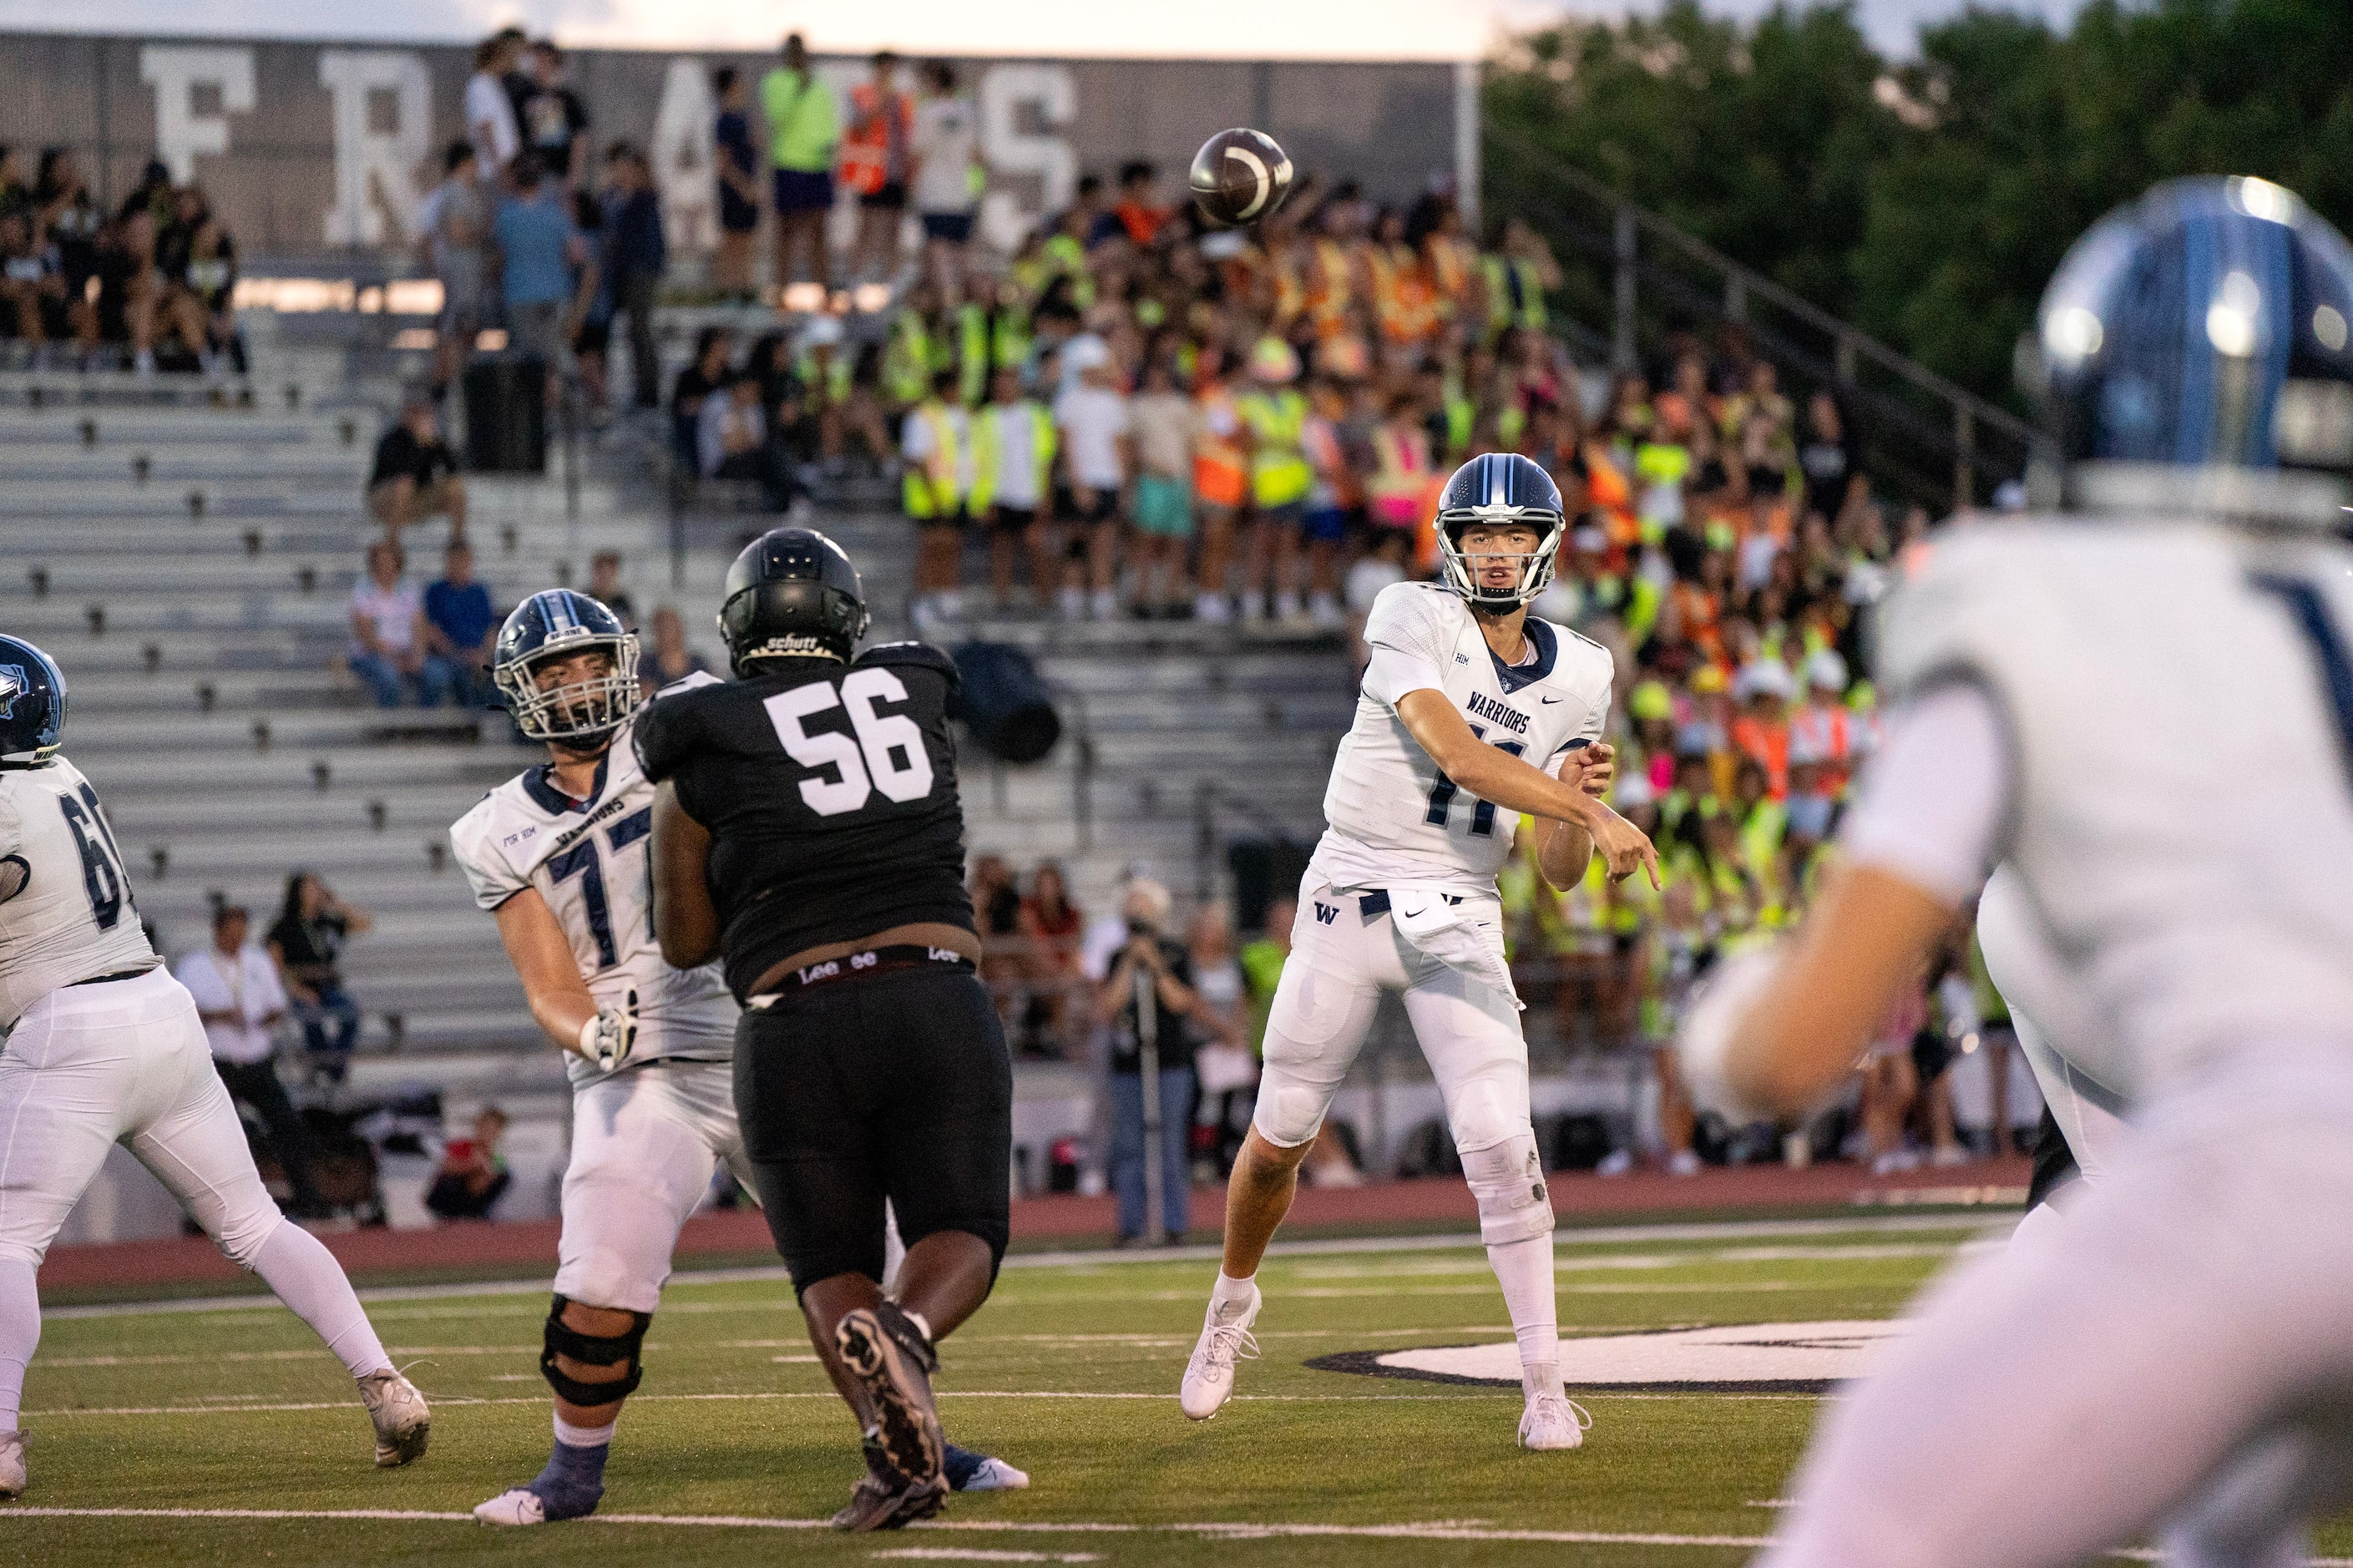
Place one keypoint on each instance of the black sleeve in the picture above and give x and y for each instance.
(392, 455)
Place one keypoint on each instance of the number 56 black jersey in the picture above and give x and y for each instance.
(829, 791)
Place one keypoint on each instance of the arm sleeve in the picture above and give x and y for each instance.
(1405, 651)
(1932, 803)
(657, 738)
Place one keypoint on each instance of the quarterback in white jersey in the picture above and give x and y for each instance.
(1473, 713)
(103, 1046)
(2066, 686)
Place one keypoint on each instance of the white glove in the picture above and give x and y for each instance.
(1704, 1041)
(606, 1038)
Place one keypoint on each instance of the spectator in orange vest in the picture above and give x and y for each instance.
(1138, 213)
(1761, 731)
(1822, 724)
(874, 165)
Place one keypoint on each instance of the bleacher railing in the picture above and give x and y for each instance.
(1631, 278)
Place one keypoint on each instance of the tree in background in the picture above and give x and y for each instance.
(1928, 201)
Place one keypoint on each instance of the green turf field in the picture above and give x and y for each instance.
(735, 1452)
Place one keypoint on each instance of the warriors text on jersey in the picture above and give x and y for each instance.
(1392, 814)
(829, 791)
(74, 920)
(590, 862)
(2198, 913)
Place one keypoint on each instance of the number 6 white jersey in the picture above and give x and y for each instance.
(592, 861)
(74, 919)
(1392, 815)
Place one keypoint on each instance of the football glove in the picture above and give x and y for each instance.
(606, 1038)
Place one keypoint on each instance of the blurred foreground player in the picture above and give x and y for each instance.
(561, 854)
(1473, 710)
(2064, 686)
(807, 829)
(103, 1046)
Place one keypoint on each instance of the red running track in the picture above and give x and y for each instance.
(1434, 1204)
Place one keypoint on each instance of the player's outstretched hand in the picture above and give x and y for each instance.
(608, 1038)
(1626, 847)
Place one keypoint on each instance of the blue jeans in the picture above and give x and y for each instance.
(330, 1052)
(435, 678)
(1127, 1149)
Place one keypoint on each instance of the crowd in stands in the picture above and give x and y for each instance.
(147, 283)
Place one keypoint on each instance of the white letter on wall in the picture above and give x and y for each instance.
(684, 146)
(177, 74)
(1009, 150)
(376, 157)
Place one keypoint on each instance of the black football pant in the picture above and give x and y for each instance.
(894, 1086)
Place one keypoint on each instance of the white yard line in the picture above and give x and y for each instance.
(1599, 1236)
(1222, 1529)
(230, 1407)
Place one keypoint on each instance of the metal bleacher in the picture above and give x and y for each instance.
(187, 558)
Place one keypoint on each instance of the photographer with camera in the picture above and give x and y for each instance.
(1148, 1000)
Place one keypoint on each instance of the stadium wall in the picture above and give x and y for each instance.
(315, 151)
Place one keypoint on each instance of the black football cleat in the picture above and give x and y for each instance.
(890, 1355)
(883, 1501)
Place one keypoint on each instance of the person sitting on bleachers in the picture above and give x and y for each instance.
(31, 285)
(388, 641)
(415, 476)
(71, 219)
(473, 1174)
(704, 375)
(731, 441)
(461, 627)
(207, 286)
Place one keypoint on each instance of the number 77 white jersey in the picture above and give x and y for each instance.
(1392, 815)
(591, 862)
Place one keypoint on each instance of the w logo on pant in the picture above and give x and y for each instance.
(1326, 913)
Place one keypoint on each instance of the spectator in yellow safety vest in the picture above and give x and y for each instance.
(937, 442)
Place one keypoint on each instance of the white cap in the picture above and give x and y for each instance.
(1634, 790)
(1085, 353)
(821, 332)
(1826, 671)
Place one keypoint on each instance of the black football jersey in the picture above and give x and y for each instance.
(829, 791)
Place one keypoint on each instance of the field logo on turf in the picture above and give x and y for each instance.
(1761, 1358)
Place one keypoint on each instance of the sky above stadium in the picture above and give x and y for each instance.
(1254, 29)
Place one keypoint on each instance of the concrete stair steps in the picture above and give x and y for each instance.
(355, 771)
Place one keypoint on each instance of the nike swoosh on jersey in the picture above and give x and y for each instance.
(1550, 700)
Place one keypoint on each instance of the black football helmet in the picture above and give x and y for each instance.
(554, 624)
(792, 594)
(1492, 487)
(32, 705)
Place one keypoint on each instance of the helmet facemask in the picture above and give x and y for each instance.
(579, 714)
(1460, 567)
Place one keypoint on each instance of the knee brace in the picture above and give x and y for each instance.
(595, 1349)
(1507, 1179)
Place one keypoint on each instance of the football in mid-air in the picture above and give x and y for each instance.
(1239, 177)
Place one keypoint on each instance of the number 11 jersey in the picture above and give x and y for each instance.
(592, 861)
(73, 920)
(829, 791)
(1391, 815)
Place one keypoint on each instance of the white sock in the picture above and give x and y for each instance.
(20, 1333)
(306, 1276)
(1524, 1269)
(572, 1437)
(1230, 1292)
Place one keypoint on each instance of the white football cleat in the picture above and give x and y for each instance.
(1553, 1420)
(12, 1464)
(995, 1476)
(403, 1423)
(520, 1505)
(1225, 1337)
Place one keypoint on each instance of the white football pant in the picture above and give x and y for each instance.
(126, 1061)
(2176, 1351)
(1332, 986)
(645, 1144)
